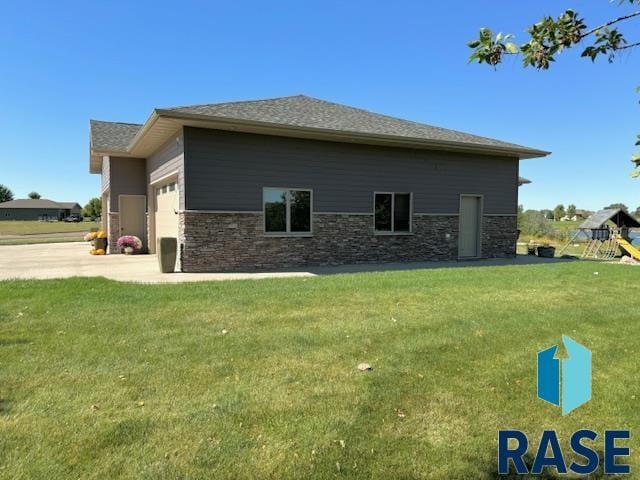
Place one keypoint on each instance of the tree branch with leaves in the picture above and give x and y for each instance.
(550, 37)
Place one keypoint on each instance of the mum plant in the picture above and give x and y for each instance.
(129, 242)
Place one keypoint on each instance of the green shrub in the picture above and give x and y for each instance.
(534, 223)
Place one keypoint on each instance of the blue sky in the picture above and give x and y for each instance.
(62, 63)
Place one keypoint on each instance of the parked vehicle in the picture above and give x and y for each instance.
(74, 217)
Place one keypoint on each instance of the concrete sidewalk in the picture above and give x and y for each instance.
(64, 260)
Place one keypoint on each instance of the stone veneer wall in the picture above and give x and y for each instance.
(228, 242)
(236, 242)
(499, 236)
(113, 232)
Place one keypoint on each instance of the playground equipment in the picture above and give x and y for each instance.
(602, 244)
(630, 249)
(605, 231)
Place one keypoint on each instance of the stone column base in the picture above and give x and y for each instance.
(113, 232)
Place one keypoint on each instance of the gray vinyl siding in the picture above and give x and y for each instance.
(168, 159)
(227, 171)
(29, 213)
(128, 177)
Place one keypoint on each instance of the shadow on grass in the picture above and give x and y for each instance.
(407, 266)
(5, 342)
(4, 409)
(549, 473)
(128, 431)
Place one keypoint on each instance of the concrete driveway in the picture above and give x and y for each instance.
(63, 260)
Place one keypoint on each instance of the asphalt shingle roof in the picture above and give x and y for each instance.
(303, 111)
(31, 203)
(299, 111)
(112, 135)
(617, 216)
(69, 204)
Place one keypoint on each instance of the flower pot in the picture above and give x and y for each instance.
(100, 244)
(546, 252)
(167, 251)
(128, 250)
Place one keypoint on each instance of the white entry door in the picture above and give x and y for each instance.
(470, 221)
(133, 209)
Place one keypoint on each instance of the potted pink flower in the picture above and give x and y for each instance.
(129, 244)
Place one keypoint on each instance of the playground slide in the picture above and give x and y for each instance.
(631, 250)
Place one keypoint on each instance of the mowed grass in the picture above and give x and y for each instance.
(30, 227)
(258, 379)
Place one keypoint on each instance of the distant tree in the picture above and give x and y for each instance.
(571, 210)
(34, 195)
(534, 223)
(93, 209)
(6, 195)
(550, 37)
(616, 206)
(558, 212)
(548, 214)
(520, 212)
(637, 213)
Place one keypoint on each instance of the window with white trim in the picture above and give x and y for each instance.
(166, 188)
(392, 212)
(287, 210)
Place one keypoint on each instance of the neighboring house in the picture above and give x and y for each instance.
(37, 209)
(71, 208)
(298, 181)
(582, 214)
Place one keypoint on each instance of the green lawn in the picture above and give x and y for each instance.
(28, 227)
(100, 379)
(566, 226)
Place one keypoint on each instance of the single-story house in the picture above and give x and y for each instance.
(298, 181)
(37, 209)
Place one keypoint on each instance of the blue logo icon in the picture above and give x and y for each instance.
(565, 382)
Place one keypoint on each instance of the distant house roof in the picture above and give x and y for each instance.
(293, 116)
(69, 205)
(617, 216)
(37, 203)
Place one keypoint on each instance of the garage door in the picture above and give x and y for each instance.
(167, 210)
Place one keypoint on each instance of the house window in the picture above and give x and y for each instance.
(287, 210)
(392, 212)
(169, 187)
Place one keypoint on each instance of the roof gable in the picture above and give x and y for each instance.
(617, 216)
(69, 205)
(113, 136)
